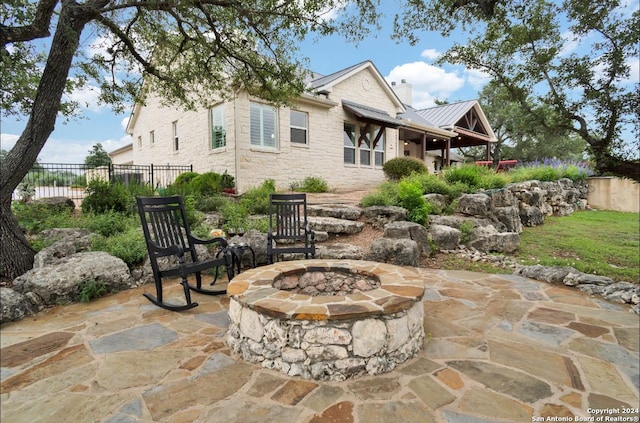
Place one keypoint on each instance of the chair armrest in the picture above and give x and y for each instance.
(219, 240)
(174, 250)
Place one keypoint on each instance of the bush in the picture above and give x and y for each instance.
(256, 200)
(103, 196)
(34, 217)
(109, 223)
(401, 167)
(311, 184)
(128, 246)
(212, 203)
(207, 184)
(411, 198)
(470, 175)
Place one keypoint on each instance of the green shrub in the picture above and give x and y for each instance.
(411, 198)
(227, 181)
(470, 175)
(211, 203)
(34, 217)
(185, 178)
(235, 216)
(128, 246)
(256, 200)
(103, 196)
(90, 290)
(193, 215)
(311, 184)
(401, 167)
(207, 184)
(377, 198)
(431, 184)
(141, 190)
(109, 223)
(466, 230)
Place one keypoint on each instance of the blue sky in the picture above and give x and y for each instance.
(71, 141)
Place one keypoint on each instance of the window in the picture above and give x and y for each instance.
(264, 127)
(379, 150)
(365, 147)
(152, 137)
(140, 141)
(349, 143)
(218, 132)
(176, 144)
(298, 123)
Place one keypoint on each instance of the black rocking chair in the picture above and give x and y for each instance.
(167, 234)
(288, 226)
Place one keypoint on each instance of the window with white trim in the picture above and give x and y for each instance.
(298, 123)
(264, 125)
(152, 137)
(218, 132)
(176, 139)
(379, 150)
(349, 135)
(139, 141)
(364, 146)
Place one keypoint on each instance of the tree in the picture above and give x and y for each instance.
(97, 157)
(187, 51)
(526, 46)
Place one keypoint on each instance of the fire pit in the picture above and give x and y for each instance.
(326, 319)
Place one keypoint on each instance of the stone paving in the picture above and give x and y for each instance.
(498, 348)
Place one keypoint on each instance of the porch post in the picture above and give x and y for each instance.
(448, 151)
(423, 145)
(488, 151)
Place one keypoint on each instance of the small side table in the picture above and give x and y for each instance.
(237, 252)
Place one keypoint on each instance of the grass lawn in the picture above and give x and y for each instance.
(604, 243)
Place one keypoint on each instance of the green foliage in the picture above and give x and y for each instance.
(34, 217)
(90, 290)
(466, 231)
(193, 215)
(411, 198)
(206, 184)
(377, 198)
(110, 222)
(97, 157)
(235, 216)
(128, 246)
(311, 184)
(211, 203)
(401, 167)
(227, 181)
(544, 172)
(470, 175)
(103, 196)
(256, 200)
(140, 190)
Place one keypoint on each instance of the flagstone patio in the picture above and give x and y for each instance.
(498, 348)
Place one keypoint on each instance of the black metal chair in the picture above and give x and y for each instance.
(167, 234)
(289, 230)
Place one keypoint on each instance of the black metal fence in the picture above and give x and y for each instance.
(70, 180)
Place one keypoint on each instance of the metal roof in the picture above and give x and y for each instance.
(370, 113)
(447, 115)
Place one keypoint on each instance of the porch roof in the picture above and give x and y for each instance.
(371, 114)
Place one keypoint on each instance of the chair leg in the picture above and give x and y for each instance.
(199, 289)
(172, 307)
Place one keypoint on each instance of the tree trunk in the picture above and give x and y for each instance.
(17, 256)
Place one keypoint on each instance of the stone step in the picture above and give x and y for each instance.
(334, 225)
(339, 211)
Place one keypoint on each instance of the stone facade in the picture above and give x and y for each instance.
(322, 156)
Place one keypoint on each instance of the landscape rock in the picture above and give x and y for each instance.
(409, 230)
(378, 216)
(437, 199)
(477, 205)
(531, 215)
(444, 237)
(339, 211)
(510, 217)
(66, 242)
(401, 252)
(15, 305)
(257, 241)
(56, 203)
(334, 225)
(339, 251)
(61, 281)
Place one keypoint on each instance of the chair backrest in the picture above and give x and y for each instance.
(165, 224)
(288, 216)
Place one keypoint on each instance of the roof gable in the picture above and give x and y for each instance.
(464, 114)
(325, 84)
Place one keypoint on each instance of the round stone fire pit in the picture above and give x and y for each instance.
(326, 319)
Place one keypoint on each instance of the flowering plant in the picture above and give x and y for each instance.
(217, 233)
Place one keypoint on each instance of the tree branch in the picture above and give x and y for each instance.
(39, 28)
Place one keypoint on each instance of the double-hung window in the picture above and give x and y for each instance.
(298, 123)
(176, 139)
(218, 132)
(264, 126)
(365, 147)
(379, 150)
(349, 135)
(152, 137)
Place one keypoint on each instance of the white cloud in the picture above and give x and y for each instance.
(87, 97)
(477, 78)
(7, 141)
(431, 54)
(429, 82)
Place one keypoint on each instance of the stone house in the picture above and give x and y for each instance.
(342, 129)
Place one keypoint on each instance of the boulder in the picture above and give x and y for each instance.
(257, 241)
(409, 230)
(61, 281)
(445, 237)
(538, 272)
(438, 200)
(401, 252)
(56, 203)
(458, 221)
(15, 305)
(502, 198)
(334, 225)
(378, 216)
(339, 251)
(510, 217)
(339, 211)
(488, 239)
(477, 205)
(531, 215)
(66, 242)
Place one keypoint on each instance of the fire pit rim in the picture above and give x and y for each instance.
(400, 288)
